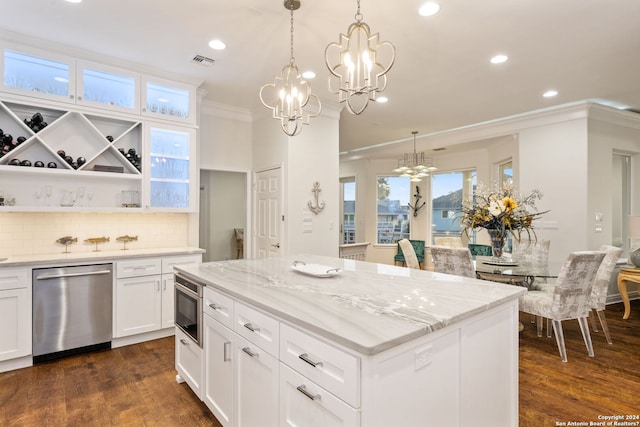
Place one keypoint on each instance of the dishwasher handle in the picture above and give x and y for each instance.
(59, 276)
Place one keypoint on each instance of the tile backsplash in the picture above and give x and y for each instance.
(24, 233)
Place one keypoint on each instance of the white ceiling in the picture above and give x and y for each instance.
(442, 78)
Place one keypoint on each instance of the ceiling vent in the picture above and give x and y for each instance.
(203, 60)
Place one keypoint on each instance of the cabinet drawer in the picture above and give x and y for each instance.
(14, 278)
(169, 262)
(331, 368)
(138, 267)
(304, 403)
(258, 328)
(218, 306)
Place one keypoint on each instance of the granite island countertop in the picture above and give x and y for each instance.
(367, 307)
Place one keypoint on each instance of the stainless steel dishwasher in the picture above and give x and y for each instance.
(72, 310)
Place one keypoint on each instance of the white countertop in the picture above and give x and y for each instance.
(366, 307)
(75, 257)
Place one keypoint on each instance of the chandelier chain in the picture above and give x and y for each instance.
(358, 16)
(292, 59)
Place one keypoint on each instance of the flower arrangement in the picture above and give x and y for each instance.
(500, 211)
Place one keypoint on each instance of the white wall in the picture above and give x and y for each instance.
(306, 158)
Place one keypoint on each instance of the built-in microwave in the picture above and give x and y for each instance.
(188, 307)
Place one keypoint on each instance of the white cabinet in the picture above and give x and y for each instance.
(145, 293)
(218, 393)
(304, 403)
(138, 296)
(167, 100)
(189, 362)
(170, 182)
(15, 313)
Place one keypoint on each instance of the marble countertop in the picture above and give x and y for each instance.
(75, 257)
(366, 307)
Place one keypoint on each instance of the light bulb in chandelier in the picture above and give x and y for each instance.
(356, 64)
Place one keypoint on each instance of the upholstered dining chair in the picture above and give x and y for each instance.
(450, 241)
(600, 287)
(569, 298)
(409, 253)
(480, 250)
(456, 261)
(534, 251)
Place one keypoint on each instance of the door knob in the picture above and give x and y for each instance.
(277, 245)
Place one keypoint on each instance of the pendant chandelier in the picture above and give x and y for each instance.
(356, 73)
(415, 165)
(289, 96)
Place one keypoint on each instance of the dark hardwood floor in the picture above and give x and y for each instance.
(135, 385)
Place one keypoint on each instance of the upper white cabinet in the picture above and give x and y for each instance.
(107, 87)
(168, 100)
(172, 168)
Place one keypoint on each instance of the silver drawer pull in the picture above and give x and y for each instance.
(215, 306)
(250, 327)
(303, 389)
(305, 357)
(249, 352)
(225, 351)
(183, 341)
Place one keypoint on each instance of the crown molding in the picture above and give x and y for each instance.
(211, 108)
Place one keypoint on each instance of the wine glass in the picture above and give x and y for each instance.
(48, 190)
(80, 195)
(89, 198)
(38, 195)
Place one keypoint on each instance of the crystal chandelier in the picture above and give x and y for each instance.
(415, 166)
(356, 73)
(289, 96)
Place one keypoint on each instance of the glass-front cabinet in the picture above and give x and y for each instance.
(171, 172)
(103, 86)
(169, 101)
(34, 73)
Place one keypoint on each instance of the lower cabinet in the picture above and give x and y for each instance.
(15, 313)
(256, 385)
(189, 362)
(219, 370)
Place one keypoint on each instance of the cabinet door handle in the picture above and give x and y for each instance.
(249, 352)
(225, 351)
(250, 327)
(183, 341)
(305, 357)
(158, 285)
(303, 389)
(215, 306)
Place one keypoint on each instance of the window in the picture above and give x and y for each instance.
(506, 172)
(348, 225)
(621, 200)
(393, 221)
(449, 190)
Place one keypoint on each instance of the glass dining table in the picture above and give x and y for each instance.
(514, 271)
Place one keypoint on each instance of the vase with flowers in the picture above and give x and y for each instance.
(500, 211)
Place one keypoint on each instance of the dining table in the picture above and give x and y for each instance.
(514, 271)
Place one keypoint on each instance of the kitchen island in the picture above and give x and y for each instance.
(369, 345)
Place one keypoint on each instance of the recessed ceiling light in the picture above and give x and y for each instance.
(74, 1)
(499, 59)
(217, 44)
(309, 75)
(429, 9)
(382, 99)
(550, 93)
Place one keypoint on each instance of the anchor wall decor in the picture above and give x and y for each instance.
(319, 205)
(416, 208)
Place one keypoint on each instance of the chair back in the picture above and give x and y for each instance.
(356, 251)
(480, 250)
(455, 261)
(572, 291)
(533, 251)
(450, 241)
(409, 253)
(603, 276)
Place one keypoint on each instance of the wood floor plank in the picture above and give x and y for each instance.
(135, 385)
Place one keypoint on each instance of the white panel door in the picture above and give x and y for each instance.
(138, 305)
(15, 316)
(218, 370)
(168, 300)
(269, 221)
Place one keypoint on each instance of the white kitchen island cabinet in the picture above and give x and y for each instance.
(371, 346)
